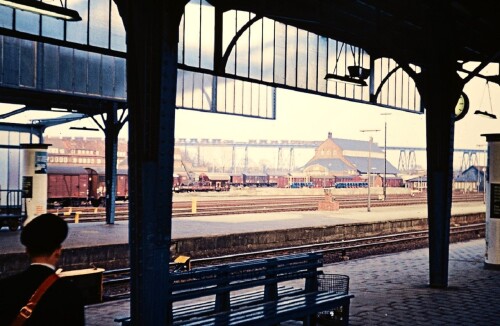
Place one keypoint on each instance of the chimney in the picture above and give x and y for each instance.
(329, 135)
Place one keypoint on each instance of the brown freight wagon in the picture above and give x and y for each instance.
(75, 185)
(97, 193)
(67, 185)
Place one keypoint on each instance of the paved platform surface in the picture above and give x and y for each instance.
(393, 289)
(85, 234)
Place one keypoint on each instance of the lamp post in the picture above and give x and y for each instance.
(385, 154)
(369, 166)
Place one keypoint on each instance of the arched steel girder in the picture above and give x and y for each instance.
(407, 160)
(373, 97)
(116, 125)
(221, 61)
(468, 159)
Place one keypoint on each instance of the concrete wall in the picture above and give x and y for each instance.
(117, 256)
(107, 257)
(245, 242)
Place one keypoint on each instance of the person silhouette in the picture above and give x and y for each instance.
(62, 302)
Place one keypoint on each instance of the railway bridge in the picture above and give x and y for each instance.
(407, 162)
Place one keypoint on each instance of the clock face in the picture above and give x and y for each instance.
(462, 107)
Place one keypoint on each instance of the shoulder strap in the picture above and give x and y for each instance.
(27, 310)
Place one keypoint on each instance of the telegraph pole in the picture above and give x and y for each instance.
(385, 154)
(369, 166)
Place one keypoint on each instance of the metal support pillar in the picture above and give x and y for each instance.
(111, 147)
(403, 161)
(245, 169)
(233, 160)
(198, 155)
(279, 164)
(440, 87)
(412, 161)
(152, 35)
(291, 163)
(440, 127)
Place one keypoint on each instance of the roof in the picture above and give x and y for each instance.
(357, 145)
(422, 178)
(391, 29)
(376, 165)
(332, 164)
(278, 174)
(65, 169)
(217, 176)
(101, 170)
(255, 174)
(472, 174)
(299, 175)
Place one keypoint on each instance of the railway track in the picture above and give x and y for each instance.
(116, 282)
(262, 205)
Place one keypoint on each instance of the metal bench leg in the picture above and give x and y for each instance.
(345, 314)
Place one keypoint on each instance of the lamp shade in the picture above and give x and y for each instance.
(42, 8)
(358, 72)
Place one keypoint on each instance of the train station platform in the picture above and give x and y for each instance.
(393, 290)
(97, 233)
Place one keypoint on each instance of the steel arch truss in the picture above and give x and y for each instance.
(229, 54)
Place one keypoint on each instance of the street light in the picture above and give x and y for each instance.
(385, 154)
(369, 165)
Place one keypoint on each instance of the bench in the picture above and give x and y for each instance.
(222, 300)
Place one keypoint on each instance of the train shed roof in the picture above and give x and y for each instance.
(377, 165)
(216, 176)
(332, 164)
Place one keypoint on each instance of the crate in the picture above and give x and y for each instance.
(333, 283)
(88, 281)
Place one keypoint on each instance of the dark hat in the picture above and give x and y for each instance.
(44, 233)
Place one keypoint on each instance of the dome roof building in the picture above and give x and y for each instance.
(345, 157)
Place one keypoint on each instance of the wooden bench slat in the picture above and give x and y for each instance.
(191, 294)
(270, 313)
(269, 305)
(207, 307)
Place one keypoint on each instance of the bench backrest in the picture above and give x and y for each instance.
(220, 280)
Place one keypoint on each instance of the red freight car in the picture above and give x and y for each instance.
(97, 194)
(67, 185)
(74, 185)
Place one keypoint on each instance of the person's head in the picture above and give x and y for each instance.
(44, 235)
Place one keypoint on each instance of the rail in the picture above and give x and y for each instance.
(261, 205)
(333, 251)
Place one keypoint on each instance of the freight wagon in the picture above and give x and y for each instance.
(74, 185)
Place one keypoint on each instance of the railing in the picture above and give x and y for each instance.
(12, 208)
